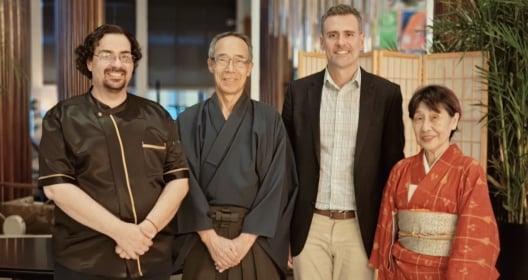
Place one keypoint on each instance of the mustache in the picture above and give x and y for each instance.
(116, 69)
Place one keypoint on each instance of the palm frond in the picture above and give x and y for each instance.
(499, 28)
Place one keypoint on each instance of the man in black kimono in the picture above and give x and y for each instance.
(113, 165)
(235, 220)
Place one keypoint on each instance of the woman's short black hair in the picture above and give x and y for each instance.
(434, 96)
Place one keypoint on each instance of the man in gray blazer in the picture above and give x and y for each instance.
(346, 128)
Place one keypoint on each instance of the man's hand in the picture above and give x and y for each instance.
(243, 244)
(84, 209)
(148, 230)
(131, 241)
(221, 249)
(290, 259)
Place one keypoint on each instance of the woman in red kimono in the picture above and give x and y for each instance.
(436, 220)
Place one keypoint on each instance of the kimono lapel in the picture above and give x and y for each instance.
(213, 152)
(212, 123)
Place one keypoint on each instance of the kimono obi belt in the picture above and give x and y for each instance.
(227, 214)
(427, 233)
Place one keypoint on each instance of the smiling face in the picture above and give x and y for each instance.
(433, 127)
(111, 76)
(342, 40)
(230, 78)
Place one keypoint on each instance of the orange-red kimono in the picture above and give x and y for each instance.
(456, 187)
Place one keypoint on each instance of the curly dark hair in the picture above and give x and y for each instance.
(86, 50)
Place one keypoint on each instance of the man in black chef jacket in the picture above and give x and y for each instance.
(112, 163)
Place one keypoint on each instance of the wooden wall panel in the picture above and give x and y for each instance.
(15, 158)
(75, 20)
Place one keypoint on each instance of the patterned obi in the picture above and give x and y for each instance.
(426, 233)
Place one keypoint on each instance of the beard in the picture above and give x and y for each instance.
(113, 85)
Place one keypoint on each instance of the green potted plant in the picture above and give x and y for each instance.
(499, 28)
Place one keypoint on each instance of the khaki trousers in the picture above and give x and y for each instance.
(333, 251)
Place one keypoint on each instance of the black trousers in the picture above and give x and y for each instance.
(64, 273)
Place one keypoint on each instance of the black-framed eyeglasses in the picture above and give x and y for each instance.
(110, 57)
(223, 61)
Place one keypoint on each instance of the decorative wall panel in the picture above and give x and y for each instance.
(457, 71)
(15, 163)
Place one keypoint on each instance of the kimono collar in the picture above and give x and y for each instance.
(239, 105)
(426, 164)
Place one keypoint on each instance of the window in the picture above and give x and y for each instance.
(178, 33)
(179, 36)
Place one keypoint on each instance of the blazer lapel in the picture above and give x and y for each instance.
(315, 92)
(367, 101)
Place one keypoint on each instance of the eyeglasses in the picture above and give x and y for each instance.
(110, 57)
(223, 62)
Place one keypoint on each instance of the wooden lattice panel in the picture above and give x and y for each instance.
(458, 72)
(366, 61)
(310, 62)
(405, 70)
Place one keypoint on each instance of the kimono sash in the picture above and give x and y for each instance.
(426, 233)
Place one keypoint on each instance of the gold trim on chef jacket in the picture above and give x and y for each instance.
(127, 181)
